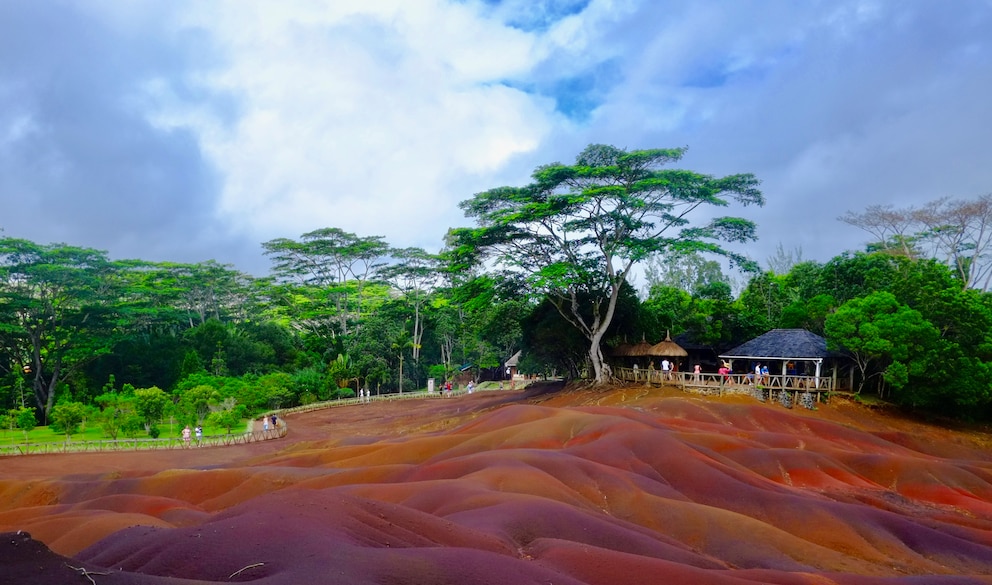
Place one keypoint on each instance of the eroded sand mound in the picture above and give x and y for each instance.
(545, 486)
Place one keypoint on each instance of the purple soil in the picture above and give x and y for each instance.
(576, 486)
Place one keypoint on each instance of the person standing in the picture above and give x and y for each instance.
(265, 424)
(186, 436)
(199, 434)
(666, 368)
(696, 370)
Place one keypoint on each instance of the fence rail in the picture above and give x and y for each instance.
(253, 436)
(114, 445)
(731, 383)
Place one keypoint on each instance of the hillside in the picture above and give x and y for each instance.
(545, 485)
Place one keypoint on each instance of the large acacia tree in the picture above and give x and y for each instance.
(56, 309)
(577, 230)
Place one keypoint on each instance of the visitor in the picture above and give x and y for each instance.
(666, 368)
(186, 436)
(199, 434)
(265, 424)
(696, 371)
(764, 374)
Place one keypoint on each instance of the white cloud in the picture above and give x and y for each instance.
(380, 116)
(362, 115)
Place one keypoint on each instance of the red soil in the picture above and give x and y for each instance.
(577, 486)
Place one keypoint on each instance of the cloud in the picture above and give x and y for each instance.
(195, 130)
(361, 116)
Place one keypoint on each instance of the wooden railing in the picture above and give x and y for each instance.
(147, 444)
(730, 383)
(143, 444)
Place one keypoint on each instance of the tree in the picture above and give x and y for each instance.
(961, 232)
(56, 301)
(581, 228)
(783, 262)
(893, 229)
(194, 402)
(415, 274)
(117, 410)
(958, 233)
(227, 413)
(333, 260)
(66, 417)
(667, 309)
(26, 420)
(688, 271)
(150, 404)
(883, 337)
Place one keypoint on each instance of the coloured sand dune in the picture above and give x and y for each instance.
(548, 485)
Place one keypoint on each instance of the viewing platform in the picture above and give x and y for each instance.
(733, 383)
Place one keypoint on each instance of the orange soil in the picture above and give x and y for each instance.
(544, 485)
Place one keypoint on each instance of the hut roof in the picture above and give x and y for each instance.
(514, 360)
(640, 348)
(782, 344)
(668, 348)
(621, 350)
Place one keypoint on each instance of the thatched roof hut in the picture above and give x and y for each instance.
(668, 348)
(640, 349)
(621, 350)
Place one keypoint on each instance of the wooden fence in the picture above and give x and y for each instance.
(144, 444)
(228, 440)
(765, 387)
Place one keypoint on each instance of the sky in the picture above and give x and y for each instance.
(194, 130)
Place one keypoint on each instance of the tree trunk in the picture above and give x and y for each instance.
(601, 370)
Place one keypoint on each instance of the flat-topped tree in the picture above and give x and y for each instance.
(577, 230)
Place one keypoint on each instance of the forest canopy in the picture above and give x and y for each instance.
(545, 272)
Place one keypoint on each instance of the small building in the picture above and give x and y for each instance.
(787, 352)
(510, 367)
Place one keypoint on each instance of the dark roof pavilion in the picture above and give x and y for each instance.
(782, 344)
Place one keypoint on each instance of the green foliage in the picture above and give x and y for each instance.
(116, 412)
(309, 382)
(150, 405)
(688, 271)
(439, 372)
(341, 372)
(268, 392)
(66, 417)
(884, 338)
(57, 307)
(26, 419)
(667, 309)
(579, 229)
(227, 414)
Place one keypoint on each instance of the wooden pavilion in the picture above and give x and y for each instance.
(795, 358)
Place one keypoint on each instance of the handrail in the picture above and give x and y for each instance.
(143, 444)
(149, 444)
(732, 382)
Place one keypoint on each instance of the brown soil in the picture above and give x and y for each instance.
(544, 485)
